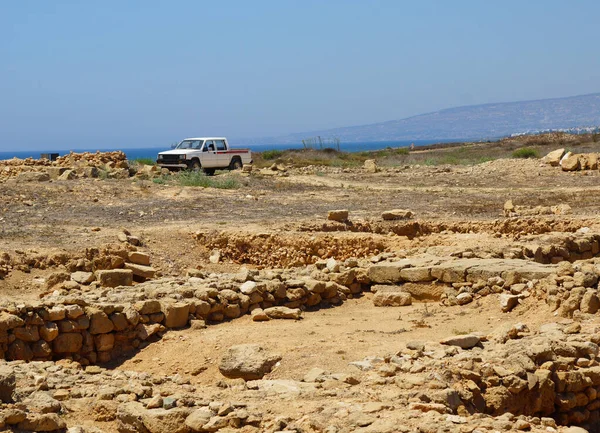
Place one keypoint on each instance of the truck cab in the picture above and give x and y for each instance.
(204, 153)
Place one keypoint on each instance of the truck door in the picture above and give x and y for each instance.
(222, 156)
(209, 155)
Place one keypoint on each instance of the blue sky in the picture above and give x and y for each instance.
(79, 74)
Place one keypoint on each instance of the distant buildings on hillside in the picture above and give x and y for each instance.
(578, 130)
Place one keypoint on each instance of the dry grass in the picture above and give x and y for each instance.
(446, 154)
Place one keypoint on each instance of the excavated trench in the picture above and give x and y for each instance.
(296, 249)
(517, 226)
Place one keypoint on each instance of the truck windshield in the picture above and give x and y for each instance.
(190, 144)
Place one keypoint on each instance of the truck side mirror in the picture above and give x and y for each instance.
(173, 146)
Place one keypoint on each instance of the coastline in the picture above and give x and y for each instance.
(151, 152)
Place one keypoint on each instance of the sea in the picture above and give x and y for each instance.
(151, 152)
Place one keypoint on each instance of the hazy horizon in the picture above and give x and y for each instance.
(136, 74)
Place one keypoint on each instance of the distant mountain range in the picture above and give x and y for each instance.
(473, 122)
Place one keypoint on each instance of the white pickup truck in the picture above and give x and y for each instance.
(204, 153)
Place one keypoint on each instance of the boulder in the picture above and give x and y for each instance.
(68, 175)
(115, 277)
(396, 214)
(82, 277)
(462, 341)
(247, 361)
(340, 215)
(43, 402)
(99, 322)
(68, 343)
(142, 271)
(139, 258)
(508, 302)
(258, 315)
(570, 162)
(370, 166)
(553, 158)
(42, 422)
(248, 287)
(9, 321)
(55, 172)
(176, 314)
(590, 302)
(391, 299)
(464, 298)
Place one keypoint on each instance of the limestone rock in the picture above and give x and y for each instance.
(100, 323)
(9, 321)
(42, 422)
(176, 314)
(370, 166)
(396, 214)
(553, 158)
(132, 417)
(33, 176)
(7, 384)
(340, 215)
(82, 277)
(68, 343)
(248, 288)
(283, 313)
(139, 258)
(392, 299)
(115, 277)
(143, 271)
(247, 361)
(68, 175)
(259, 315)
(508, 302)
(215, 256)
(198, 419)
(464, 298)
(570, 162)
(462, 341)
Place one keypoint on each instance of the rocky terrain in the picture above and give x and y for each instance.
(308, 299)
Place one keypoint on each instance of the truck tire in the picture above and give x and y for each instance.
(209, 171)
(236, 163)
(194, 165)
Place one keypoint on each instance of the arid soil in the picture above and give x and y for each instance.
(275, 228)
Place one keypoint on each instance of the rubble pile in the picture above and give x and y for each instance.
(67, 167)
(107, 257)
(569, 161)
(284, 250)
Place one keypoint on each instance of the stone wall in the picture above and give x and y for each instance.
(98, 326)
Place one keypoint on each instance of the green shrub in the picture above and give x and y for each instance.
(525, 152)
(271, 154)
(145, 161)
(191, 178)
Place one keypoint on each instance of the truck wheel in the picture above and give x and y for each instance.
(236, 164)
(209, 171)
(195, 165)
